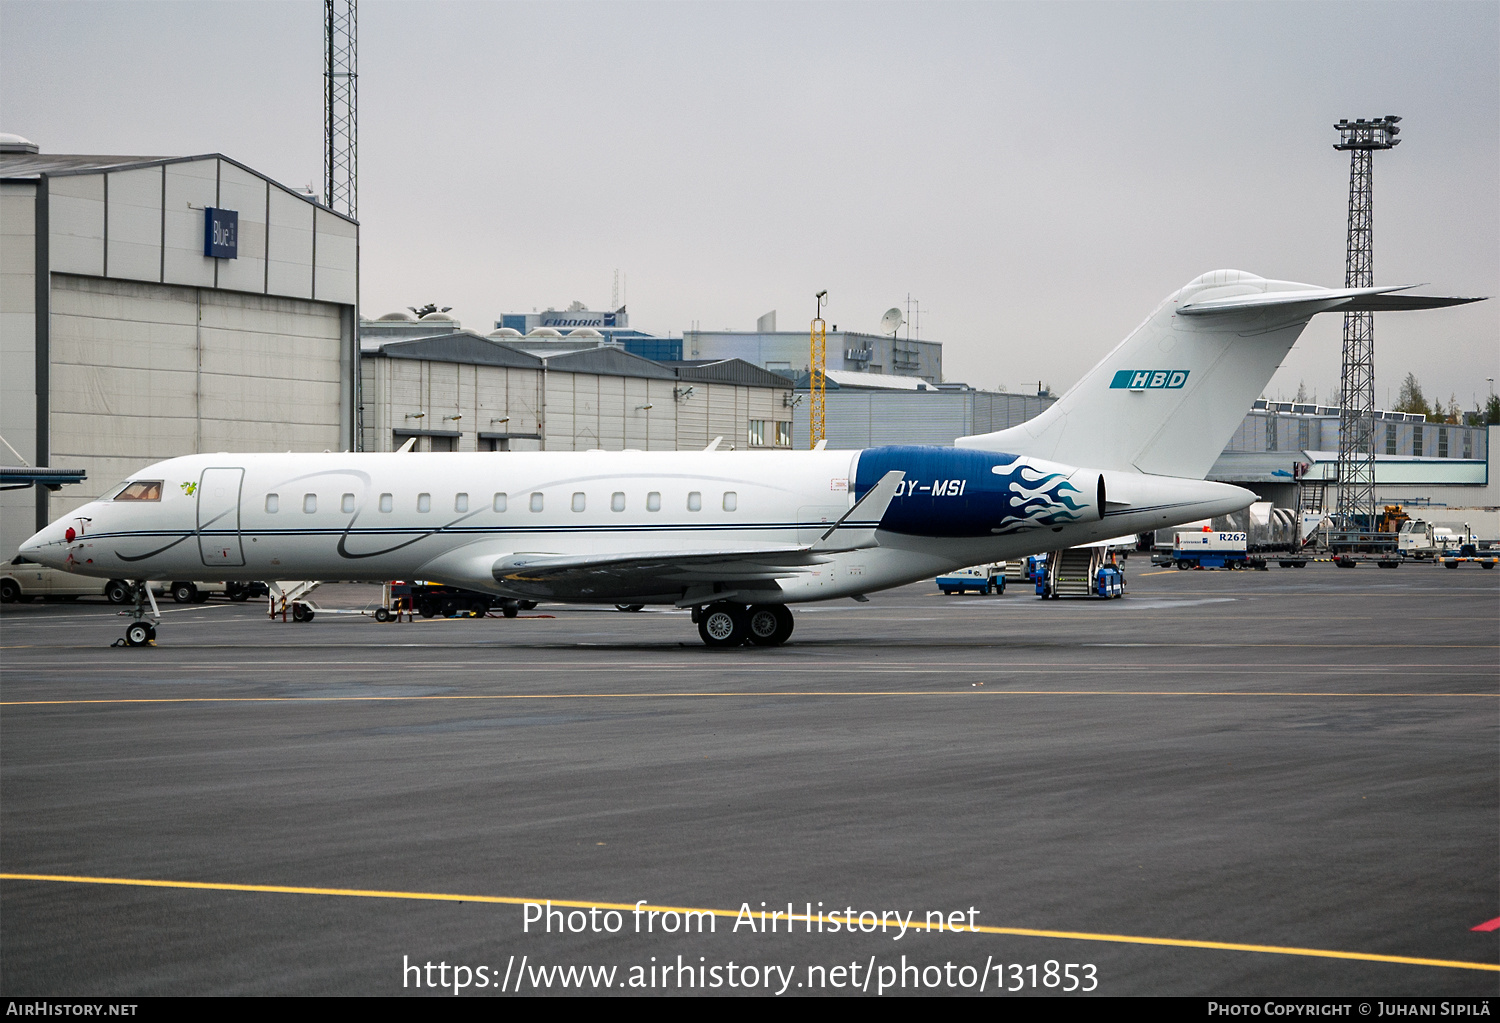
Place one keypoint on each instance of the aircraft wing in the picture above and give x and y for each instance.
(691, 575)
(644, 574)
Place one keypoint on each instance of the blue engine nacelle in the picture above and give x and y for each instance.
(963, 492)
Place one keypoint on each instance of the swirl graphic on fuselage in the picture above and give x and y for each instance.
(1037, 498)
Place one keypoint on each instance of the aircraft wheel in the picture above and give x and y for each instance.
(526, 605)
(184, 593)
(510, 610)
(138, 634)
(769, 624)
(722, 625)
(118, 591)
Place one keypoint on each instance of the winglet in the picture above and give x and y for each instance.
(713, 445)
(859, 523)
(407, 446)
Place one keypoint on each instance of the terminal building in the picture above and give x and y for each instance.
(158, 306)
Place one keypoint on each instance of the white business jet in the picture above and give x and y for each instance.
(735, 536)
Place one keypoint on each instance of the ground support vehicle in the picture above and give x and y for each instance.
(23, 580)
(1422, 541)
(1032, 566)
(983, 578)
(1469, 554)
(1349, 547)
(1212, 549)
(431, 600)
(194, 592)
(1081, 572)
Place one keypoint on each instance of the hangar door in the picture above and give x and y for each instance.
(219, 517)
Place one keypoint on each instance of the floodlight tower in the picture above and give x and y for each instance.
(340, 107)
(817, 375)
(1356, 507)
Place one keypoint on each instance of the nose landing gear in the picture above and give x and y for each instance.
(141, 632)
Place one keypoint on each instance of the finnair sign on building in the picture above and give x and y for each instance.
(1149, 379)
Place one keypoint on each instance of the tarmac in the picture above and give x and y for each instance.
(1246, 783)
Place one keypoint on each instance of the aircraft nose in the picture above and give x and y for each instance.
(48, 546)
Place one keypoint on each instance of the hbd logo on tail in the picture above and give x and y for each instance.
(1149, 379)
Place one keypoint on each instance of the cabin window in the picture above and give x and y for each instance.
(424, 502)
(579, 501)
(731, 500)
(695, 501)
(783, 434)
(272, 503)
(461, 502)
(141, 490)
(536, 502)
(346, 504)
(309, 503)
(617, 501)
(653, 501)
(499, 503)
(387, 503)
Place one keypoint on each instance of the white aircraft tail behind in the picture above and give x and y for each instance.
(1171, 395)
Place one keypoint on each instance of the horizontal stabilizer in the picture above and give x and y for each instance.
(1354, 300)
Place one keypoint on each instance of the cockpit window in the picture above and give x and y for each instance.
(140, 490)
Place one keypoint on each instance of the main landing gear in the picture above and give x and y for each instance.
(731, 625)
(141, 632)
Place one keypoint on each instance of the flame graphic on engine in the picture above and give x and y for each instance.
(1040, 498)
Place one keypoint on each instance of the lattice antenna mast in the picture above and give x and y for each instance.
(340, 107)
(817, 377)
(1356, 507)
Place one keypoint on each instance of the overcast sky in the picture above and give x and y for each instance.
(1039, 176)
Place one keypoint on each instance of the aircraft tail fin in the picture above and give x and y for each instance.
(1171, 395)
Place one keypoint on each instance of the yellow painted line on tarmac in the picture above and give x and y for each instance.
(975, 691)
(1167, 571)
(820, 919)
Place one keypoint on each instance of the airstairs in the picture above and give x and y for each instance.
(1081, 572)
(290, 595)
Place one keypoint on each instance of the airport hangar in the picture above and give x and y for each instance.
(122, 342)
